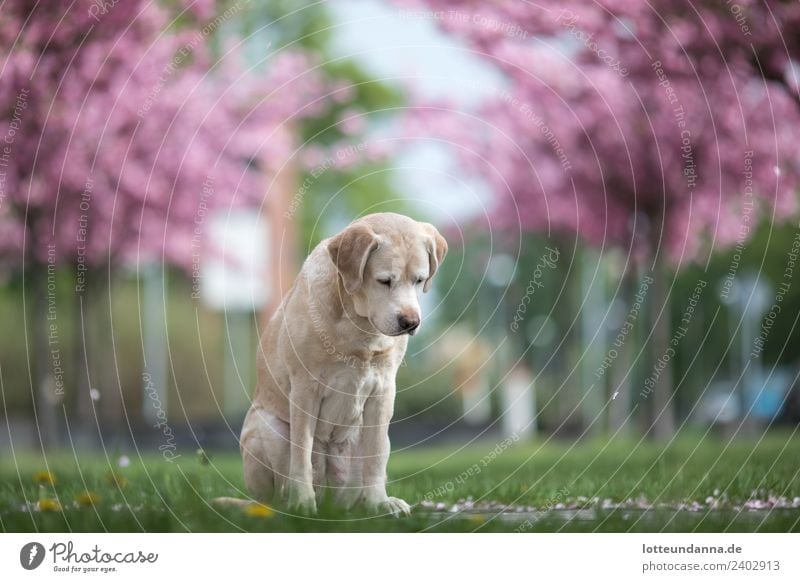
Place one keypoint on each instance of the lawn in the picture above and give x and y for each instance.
(692, 485)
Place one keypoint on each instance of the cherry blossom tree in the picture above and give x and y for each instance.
(122, 131)
(662, 128)
(137, 121)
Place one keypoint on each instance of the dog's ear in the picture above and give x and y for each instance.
(349, 251)
(437, 250)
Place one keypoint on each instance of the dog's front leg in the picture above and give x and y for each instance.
(344, 472)
(303, 412)
(375, 455)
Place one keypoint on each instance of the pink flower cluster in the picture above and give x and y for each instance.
(126, 118)
(655, 125)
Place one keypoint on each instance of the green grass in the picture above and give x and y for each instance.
(162, 496)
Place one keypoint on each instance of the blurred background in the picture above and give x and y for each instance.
(617, 182)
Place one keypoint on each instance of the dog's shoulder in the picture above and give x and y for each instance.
(318, 267)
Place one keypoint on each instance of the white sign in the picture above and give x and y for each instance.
(235, 261)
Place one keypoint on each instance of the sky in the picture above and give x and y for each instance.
(399, 46)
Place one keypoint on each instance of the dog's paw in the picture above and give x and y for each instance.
(393, 506)
(397, 506)
(302, 502)
(303, 506)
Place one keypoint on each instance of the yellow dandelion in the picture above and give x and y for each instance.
(116, 480)
(88, 499)
(48, 504)
(44, 478)
(477, 519)
(259, 510)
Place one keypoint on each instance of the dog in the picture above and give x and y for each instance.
(327, 366)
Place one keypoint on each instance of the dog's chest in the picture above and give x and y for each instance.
(345, 395)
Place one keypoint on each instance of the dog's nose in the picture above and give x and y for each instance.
(408, 323)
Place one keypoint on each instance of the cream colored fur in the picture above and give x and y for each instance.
(327, 363)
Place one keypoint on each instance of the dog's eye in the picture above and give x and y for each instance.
(387, 282)
(420, 281)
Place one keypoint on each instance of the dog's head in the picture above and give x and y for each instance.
(384, 261)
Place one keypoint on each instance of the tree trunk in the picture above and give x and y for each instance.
(662, 419)
(155, 389)
(85, 419)
(621, 372)
(98, 331)
(593, 338)
(45, 352)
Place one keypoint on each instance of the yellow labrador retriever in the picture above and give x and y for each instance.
(327, 365)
